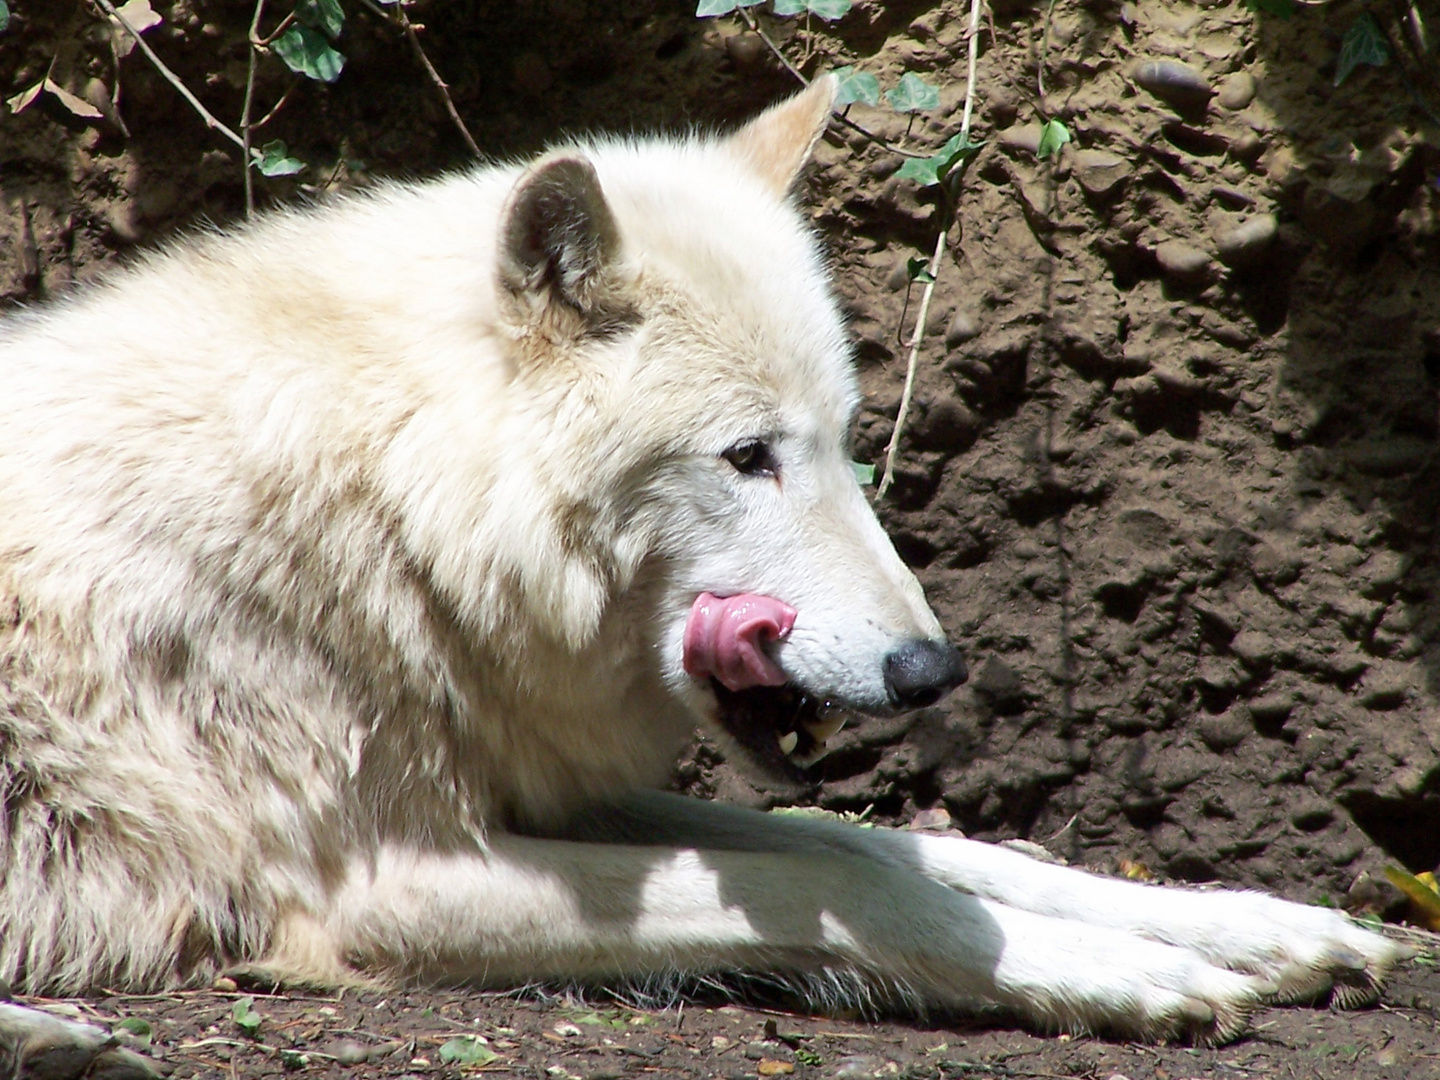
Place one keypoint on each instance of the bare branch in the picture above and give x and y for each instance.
(402, 21)
(245, 127)
(174, 80)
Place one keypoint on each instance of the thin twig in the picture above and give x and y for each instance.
(174, 80)
(249, 100)
(258, 124)
(251, 1044)
(268, 38)
(934, 266)
(837, 115)
(1044, 53)
(403, 21)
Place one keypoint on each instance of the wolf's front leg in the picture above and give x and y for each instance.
(547, 909)
(1303, 951)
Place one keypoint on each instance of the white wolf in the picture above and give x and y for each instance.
(361, 571)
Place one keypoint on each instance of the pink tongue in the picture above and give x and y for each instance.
(726, 638)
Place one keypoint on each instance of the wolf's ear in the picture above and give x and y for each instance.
(778, 142)
(558, 239)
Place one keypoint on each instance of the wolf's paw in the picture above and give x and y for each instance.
(36, 1045)
(1193, 1003)
(1096, 979)
(1315, 950)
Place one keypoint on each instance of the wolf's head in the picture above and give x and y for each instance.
(698, 433)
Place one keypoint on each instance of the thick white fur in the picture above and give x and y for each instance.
(340, 560)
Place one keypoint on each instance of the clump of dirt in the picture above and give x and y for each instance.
(1170, 477)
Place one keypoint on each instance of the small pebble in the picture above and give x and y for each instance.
(1099, 173)
(1247, 244)
(1174, 82)
(746, 50)
(1237, 91)
(1023, 137)
(1181, 261)
(1246, 146)
(1232, 197)
(1003, 108)
(123, 221)
(962, 328)
(1224, 731)
(349, 1052)
(1254, 648)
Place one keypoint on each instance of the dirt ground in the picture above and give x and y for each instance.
(1170, 479)
(370, 1035)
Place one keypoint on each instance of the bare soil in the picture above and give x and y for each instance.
(370, 1035)
(1172, 485)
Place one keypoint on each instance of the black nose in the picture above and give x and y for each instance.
(922, 671)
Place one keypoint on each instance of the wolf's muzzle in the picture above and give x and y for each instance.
(922, 671)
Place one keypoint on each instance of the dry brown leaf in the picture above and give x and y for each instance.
(140, 15)
(25, 98)
(937, 817)
(1136, 871)
(1425, 899)
(771, 1067)
(75, 105)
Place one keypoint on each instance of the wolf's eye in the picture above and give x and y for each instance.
(751, 457)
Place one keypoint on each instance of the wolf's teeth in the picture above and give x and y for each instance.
(825, 726)
(788, 742)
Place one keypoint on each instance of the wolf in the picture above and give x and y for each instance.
(363, 572)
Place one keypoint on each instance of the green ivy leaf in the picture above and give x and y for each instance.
(708, 8)
(808, 1057)
(852, 85)
(1364, 43)
(275, 160)
(918, 267)
(245, 1016)
(1053, 136)
(829, 10)
(467, 1050)
(307, 52)
(929, 171)
(864, 474)
(326, 15)
(913, 95)
(137, 1026)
